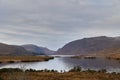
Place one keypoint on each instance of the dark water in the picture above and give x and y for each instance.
(66, 63)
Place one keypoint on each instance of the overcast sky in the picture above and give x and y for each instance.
(53, 23)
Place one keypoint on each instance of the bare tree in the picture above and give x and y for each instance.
(18, 75)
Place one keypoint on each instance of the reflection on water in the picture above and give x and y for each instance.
(66, 63)
(96, 64)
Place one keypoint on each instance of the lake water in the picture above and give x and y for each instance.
(66, 63)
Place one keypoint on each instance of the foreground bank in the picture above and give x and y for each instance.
(73, 74)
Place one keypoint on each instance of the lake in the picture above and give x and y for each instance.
(66, 63)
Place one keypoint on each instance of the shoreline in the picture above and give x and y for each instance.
(94, 57)
(15, 59)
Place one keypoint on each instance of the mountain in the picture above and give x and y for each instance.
(37, 50)
(12, 50)
(93, 45)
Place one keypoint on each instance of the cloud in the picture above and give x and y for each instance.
(53, 23)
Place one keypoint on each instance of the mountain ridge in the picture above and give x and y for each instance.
(89, 45)
(12, 50)
(37, 49)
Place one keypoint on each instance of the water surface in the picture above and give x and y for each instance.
(66, 63)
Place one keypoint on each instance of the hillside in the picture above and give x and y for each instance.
(12, 50)
(94, 45)
(113, 53)
(37, 50)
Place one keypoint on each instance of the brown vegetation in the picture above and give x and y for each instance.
(12, 59)
(62, 76)
(73, 74)
(84, 57)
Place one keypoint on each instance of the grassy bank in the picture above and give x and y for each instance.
(13, 59)
(114, 57)
(84, 57)
(73, 74)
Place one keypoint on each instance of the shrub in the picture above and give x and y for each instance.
(30, 70)
(103, 71)
(91, 71)
(75, 69)
(10, 69)
(1, 78)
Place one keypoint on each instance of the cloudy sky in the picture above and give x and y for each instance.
(53, 23)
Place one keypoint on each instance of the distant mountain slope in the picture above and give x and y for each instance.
(11, 50)
(38, 50)
(110, 53)
(90, 45)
